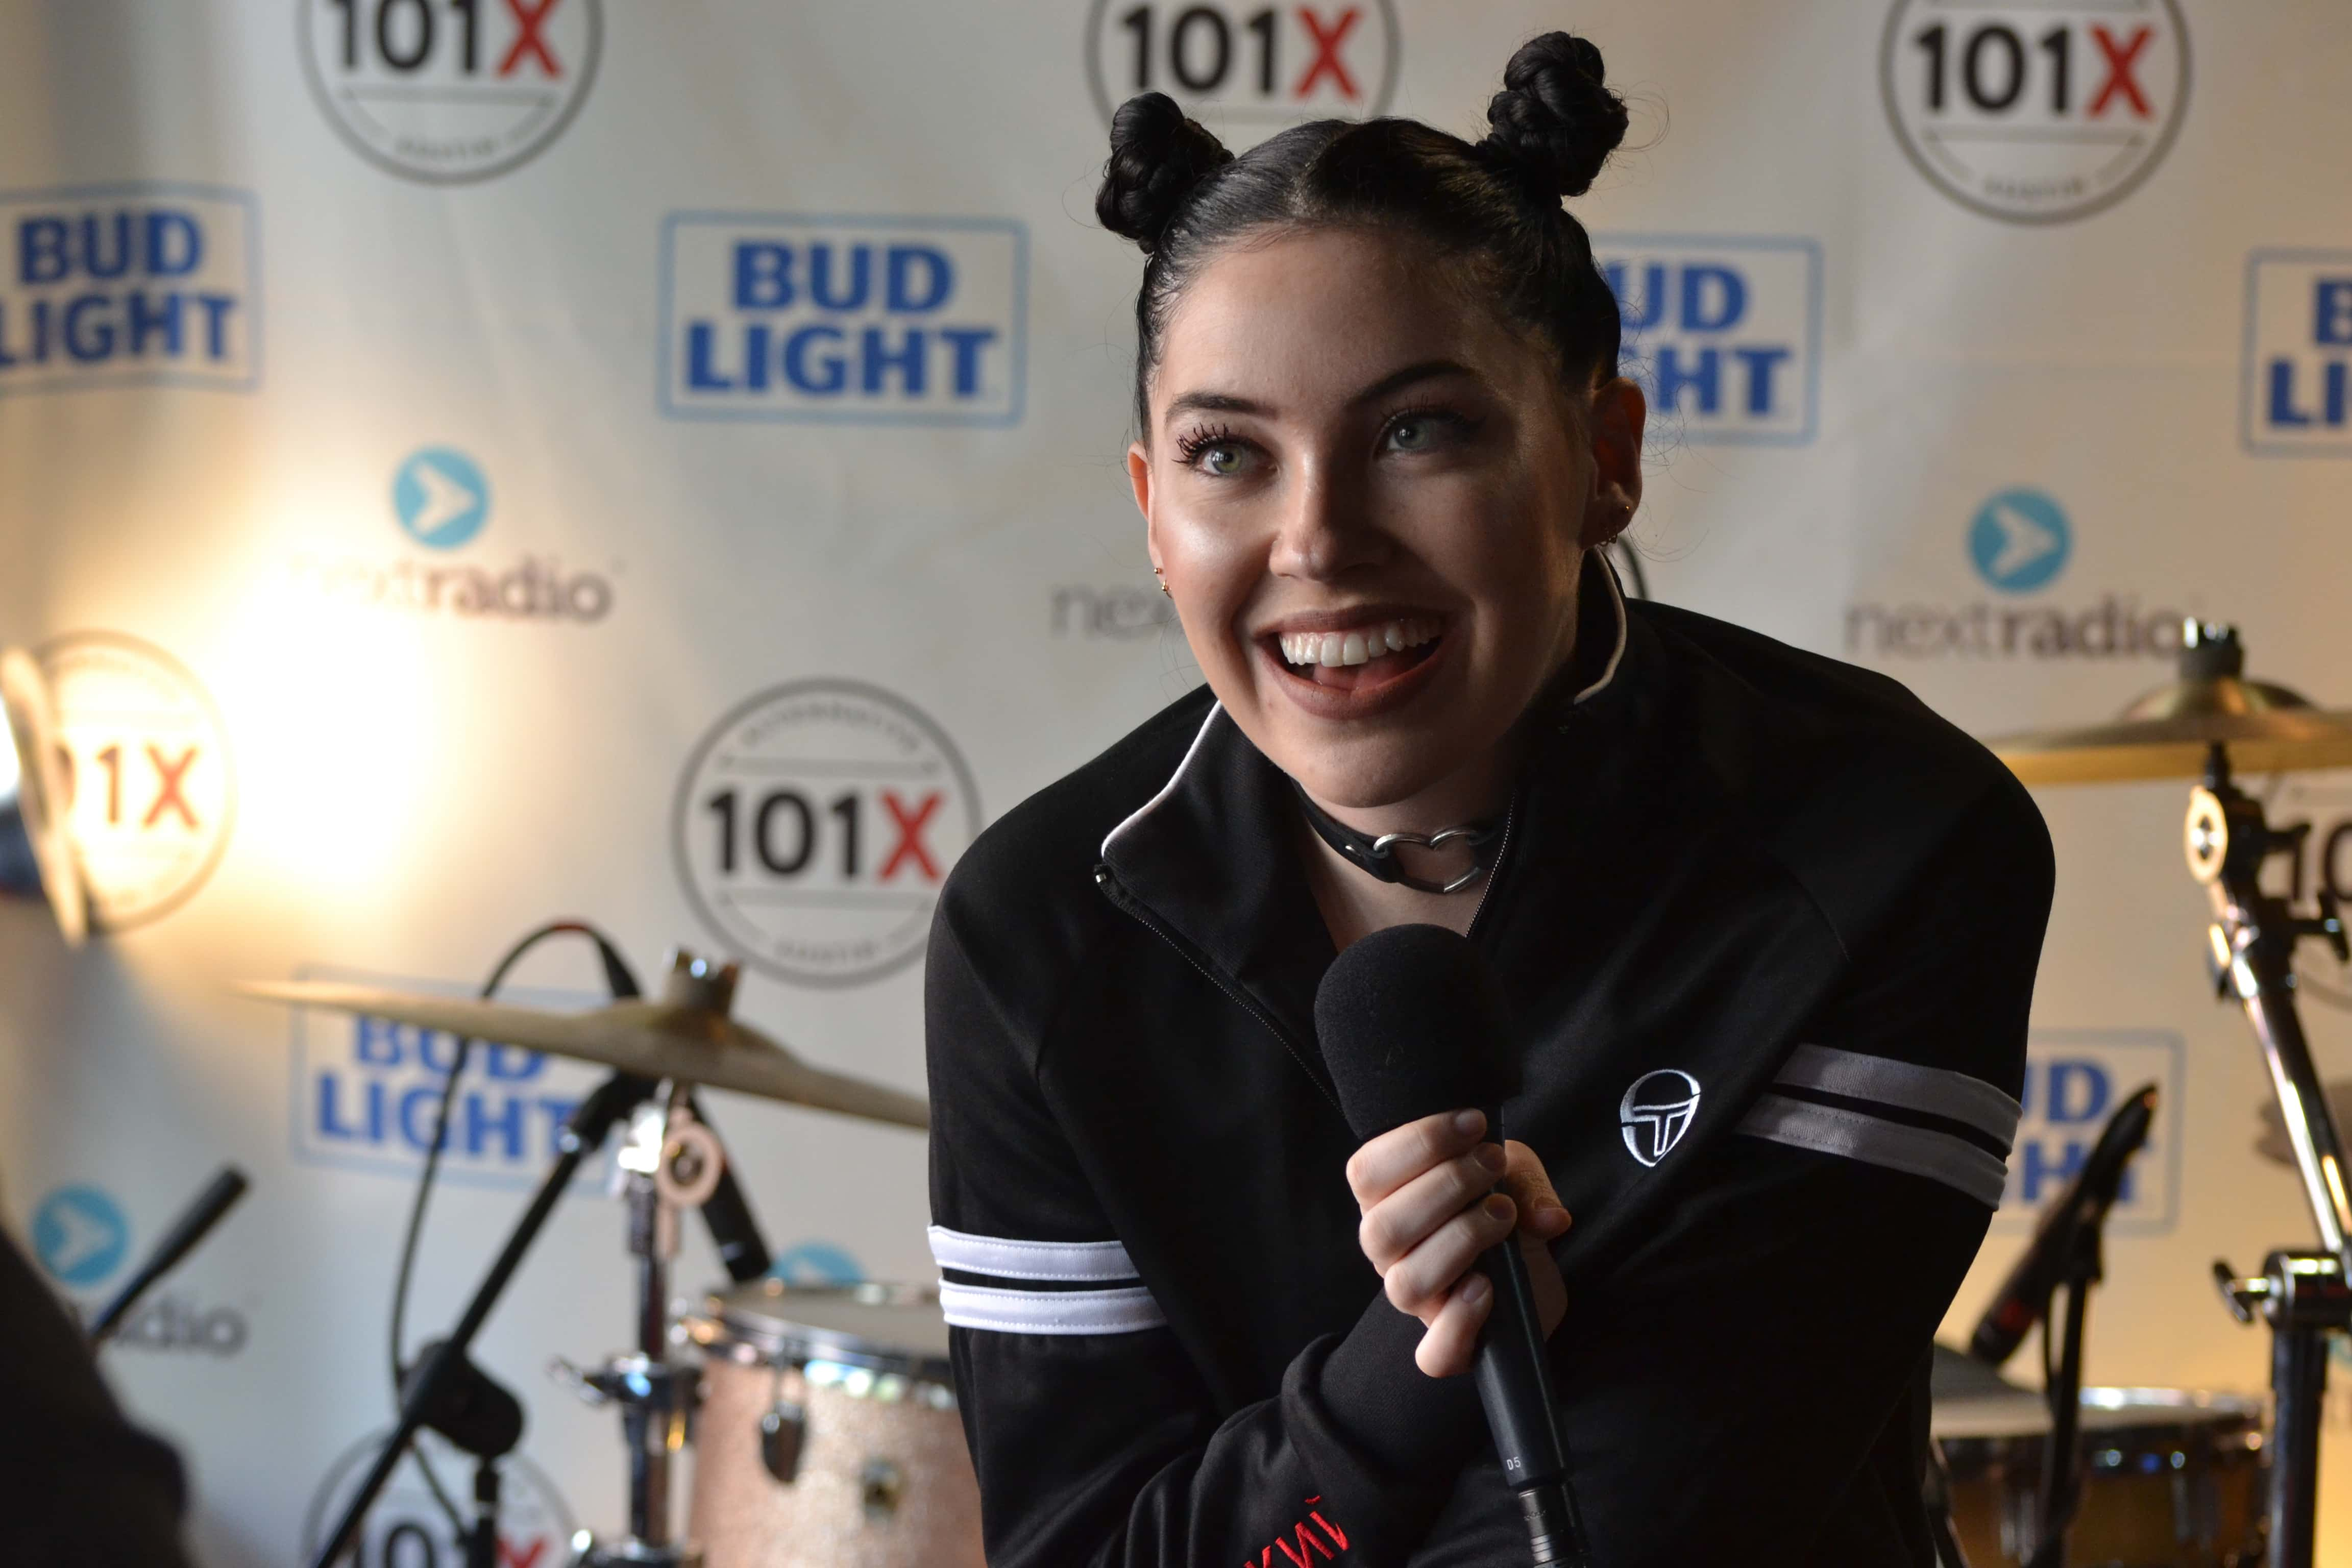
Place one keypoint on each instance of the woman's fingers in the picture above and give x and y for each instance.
(1530, 1186)
(1402, 1221)
(1451, 1337)
(1395, 1157)
(1420, 1282)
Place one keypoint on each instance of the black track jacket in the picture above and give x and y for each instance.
(1770, 928)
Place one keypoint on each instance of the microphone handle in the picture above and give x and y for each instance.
(1514, 1379)
(211, 1203)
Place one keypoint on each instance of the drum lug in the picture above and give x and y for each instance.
(881, 1484)
(783, 1435)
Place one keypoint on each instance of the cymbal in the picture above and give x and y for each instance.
(686, 1036)
(2168, 732)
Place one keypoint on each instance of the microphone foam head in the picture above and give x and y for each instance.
(1412, 1022)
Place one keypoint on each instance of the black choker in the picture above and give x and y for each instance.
(1376, 858)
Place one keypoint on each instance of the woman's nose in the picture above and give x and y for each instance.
(1324, 530)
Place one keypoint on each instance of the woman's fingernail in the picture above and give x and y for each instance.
(1469, 1124)
(1491, 1157)
(1556, 1219)
(1498, 1206)
(1475, 1290)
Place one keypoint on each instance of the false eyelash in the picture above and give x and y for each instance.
(1193, 443)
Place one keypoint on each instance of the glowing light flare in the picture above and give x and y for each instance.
(335, 710)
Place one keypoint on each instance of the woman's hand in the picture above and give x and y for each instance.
(1427, 1190)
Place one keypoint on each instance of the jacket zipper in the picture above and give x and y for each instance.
(1502, 849)
(1135, 907)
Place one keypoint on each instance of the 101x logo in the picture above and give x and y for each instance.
(449, 90)
(814, 825)
(2035, 112)
(1247, 71)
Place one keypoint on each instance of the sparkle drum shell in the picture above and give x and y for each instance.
(828, 1435)
(2170, 1478)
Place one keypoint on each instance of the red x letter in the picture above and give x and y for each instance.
(1327, 51)
(529, 20)
(2120, 58)
(910, 835)
(167, 786)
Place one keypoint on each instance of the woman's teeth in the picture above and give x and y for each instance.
(1356, 647)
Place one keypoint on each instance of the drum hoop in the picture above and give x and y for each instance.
(782, 1341)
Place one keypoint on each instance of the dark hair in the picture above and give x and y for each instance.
(1491, 209)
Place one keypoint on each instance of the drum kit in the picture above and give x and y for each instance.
(822, 1419)
(2174, 1478)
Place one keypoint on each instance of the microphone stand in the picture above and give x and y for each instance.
(2061, 1462)
(581, 1136)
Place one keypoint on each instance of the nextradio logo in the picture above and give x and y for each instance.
(2019, 542)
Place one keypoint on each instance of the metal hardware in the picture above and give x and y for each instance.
(783, 1438)
(881, 1486)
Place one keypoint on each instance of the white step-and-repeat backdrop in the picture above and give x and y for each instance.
(468, 462)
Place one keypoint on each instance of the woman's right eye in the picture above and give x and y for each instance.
(1219, 454)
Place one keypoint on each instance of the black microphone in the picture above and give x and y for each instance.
(2024, 1296)
(190, 1229)
(1413, 1023)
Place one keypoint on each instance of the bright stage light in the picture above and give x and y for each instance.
(36, 854)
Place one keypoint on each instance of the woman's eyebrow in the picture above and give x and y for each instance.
(1395, 380)
(1210, 402)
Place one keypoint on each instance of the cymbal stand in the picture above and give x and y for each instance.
(2302, 1295)
(669, 1161)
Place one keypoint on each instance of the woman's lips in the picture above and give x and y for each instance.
(1376, 685)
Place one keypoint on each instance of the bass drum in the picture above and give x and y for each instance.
(828, 1435)
(2170, 1478)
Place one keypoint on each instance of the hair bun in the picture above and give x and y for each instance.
(1157, 157)
(1555, 122)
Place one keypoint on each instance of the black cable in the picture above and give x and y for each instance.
(621, 983)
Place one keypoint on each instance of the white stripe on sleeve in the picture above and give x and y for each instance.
(1939, 1091)
(1124, 1311)
(1920, 1150)
(1009, 1259)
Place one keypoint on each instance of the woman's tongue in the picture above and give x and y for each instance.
(1371, 672)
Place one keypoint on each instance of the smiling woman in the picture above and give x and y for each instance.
(1380, 441)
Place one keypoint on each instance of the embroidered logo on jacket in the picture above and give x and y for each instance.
(1655, 1113)
(1305, 1545)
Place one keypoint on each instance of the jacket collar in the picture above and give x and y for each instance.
(1215, 855)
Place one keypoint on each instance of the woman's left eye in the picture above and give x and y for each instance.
(1418, 432)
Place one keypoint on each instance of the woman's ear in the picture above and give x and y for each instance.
(1139, 475)
(1614, 422)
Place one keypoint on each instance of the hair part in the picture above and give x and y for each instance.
(1491, 211)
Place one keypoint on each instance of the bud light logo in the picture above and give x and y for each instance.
(849, 319)
(2297, 396)
(2019, 541)
(1724, 335)
(366, 1091)
(127, 284)
(2074, 1080)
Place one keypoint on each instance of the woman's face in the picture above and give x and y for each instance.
(1370, 501)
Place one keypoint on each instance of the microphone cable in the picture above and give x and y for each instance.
(621, 981)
